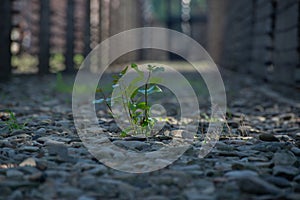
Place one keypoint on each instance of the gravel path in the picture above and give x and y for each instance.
(257, 157)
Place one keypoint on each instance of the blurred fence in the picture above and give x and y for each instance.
(263, 37)
(55, 35)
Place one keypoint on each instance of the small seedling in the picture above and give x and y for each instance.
(12, 122)
(136, 103)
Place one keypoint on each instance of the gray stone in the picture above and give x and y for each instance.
(40, 131)
(256, 185)
(4, 131)
(296, 151)
(195, 194)
(57, 174)
(83, 197)
(297, 136)
(288, 172)
(284, 158)
(240, 174)
(182, 134)
(28, 162)
(268, 146)
(88, 182)
(69, 192)
(268, 137)
(279, 181)
(156, 197)
(63, 123)
(297, 178)
(133, 145)
(59, 149)
(98, 170)
(13, 173)
(29, 148)
(16, 195)
(38, 176)
(224, 147)
(114, 128)
(7, 153)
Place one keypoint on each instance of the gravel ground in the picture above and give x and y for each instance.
(257, 156)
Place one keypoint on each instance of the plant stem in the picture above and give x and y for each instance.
(146, 98)
(127, 109)
(104, 96)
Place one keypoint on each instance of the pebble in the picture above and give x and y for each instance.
(256, 185)
(182, 134)
(41, 132)
(195, 194)
(13, 173)
(69, 192)
(84, 197)
(268, 146)
(28, 162)
(284, 158)
(297, 178)
(38, 176)
(288, 172)
(4, 131)
(268, 137)
(98, 170)
(240, 173)
(279, 181)
(134, 145)
(63, 123)
(47, 160)
(297, 136)
(16, 195)
(29, 148)
(296, 151)
(156, 197)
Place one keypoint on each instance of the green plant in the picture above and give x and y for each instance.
(61, 85)
(57, 61)
(78, 59)
(135, 101)
(12, 122)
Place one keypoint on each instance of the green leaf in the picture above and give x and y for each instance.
(134, 66)
(134, 94)
(115, 79)
(138, 114)
(107, 100)
(142, 106)
(132, 106)
(124, 71)
(98, 101)
(150, 67)
(115, 85)
(12, 116)
(151, 90)
(99, 90)
(144, 123)
(123, 134)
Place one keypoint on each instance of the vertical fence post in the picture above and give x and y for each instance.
(87, 28)
(5, 41)
(44, 37)
(70, 37)
(216, 25)
(87, 34)
(100, 25)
